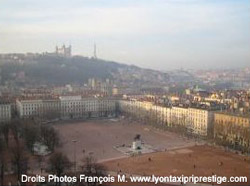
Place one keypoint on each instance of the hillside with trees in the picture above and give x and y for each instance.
(56, 70)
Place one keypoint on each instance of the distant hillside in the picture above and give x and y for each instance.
(57, 70)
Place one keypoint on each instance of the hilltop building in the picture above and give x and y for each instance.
(63, 51)
(60, 51)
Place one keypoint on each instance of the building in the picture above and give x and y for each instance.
(102, 87)
(232, 130)
(77, 107)
(63, 51)
(200, 121)
(178, 116)
(71, 107)
(47, 108)
(67, 107)
(5, 112)
(197, 121)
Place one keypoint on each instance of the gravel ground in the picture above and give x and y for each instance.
(98, 137)
(207, 160)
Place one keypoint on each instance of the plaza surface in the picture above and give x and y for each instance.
(173, 155)
(197, 160)
(99, 138)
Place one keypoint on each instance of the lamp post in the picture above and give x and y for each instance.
(74, 141)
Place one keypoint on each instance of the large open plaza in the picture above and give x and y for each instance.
(100, 137)
(172, 154)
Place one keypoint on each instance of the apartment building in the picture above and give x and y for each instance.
(232, 129)
(200, 121)
(71, 107)
(178, 116)
(66, 107)
(138, 109)
(28, 108)
(197, 121)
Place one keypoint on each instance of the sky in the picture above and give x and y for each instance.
(157, 34)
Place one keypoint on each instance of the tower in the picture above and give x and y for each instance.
(95, 55)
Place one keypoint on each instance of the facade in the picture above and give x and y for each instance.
(5, 112)
(103, 87)
(71, 107)
(200, 121)
(178, 116)
(38, 108)
(232, 130)
(196, 121)
(67, 107)
(77, 107)
(142, 110)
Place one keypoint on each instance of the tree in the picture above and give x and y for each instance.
(19, 160)
(15, 127)
(49, 137)
(2, 160)
(58, 164)
(5, 131)
(31, 135)
(93, 169)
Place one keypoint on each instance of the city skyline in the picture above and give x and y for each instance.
(159, 35)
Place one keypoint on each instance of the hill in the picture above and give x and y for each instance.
(55, 70)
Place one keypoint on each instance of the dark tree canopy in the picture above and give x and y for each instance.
(59, 70)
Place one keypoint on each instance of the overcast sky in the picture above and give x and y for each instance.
(158, 34)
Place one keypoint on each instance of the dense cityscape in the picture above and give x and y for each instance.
(124, 93)
(211, 107)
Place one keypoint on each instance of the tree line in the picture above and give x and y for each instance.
(17, 140)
